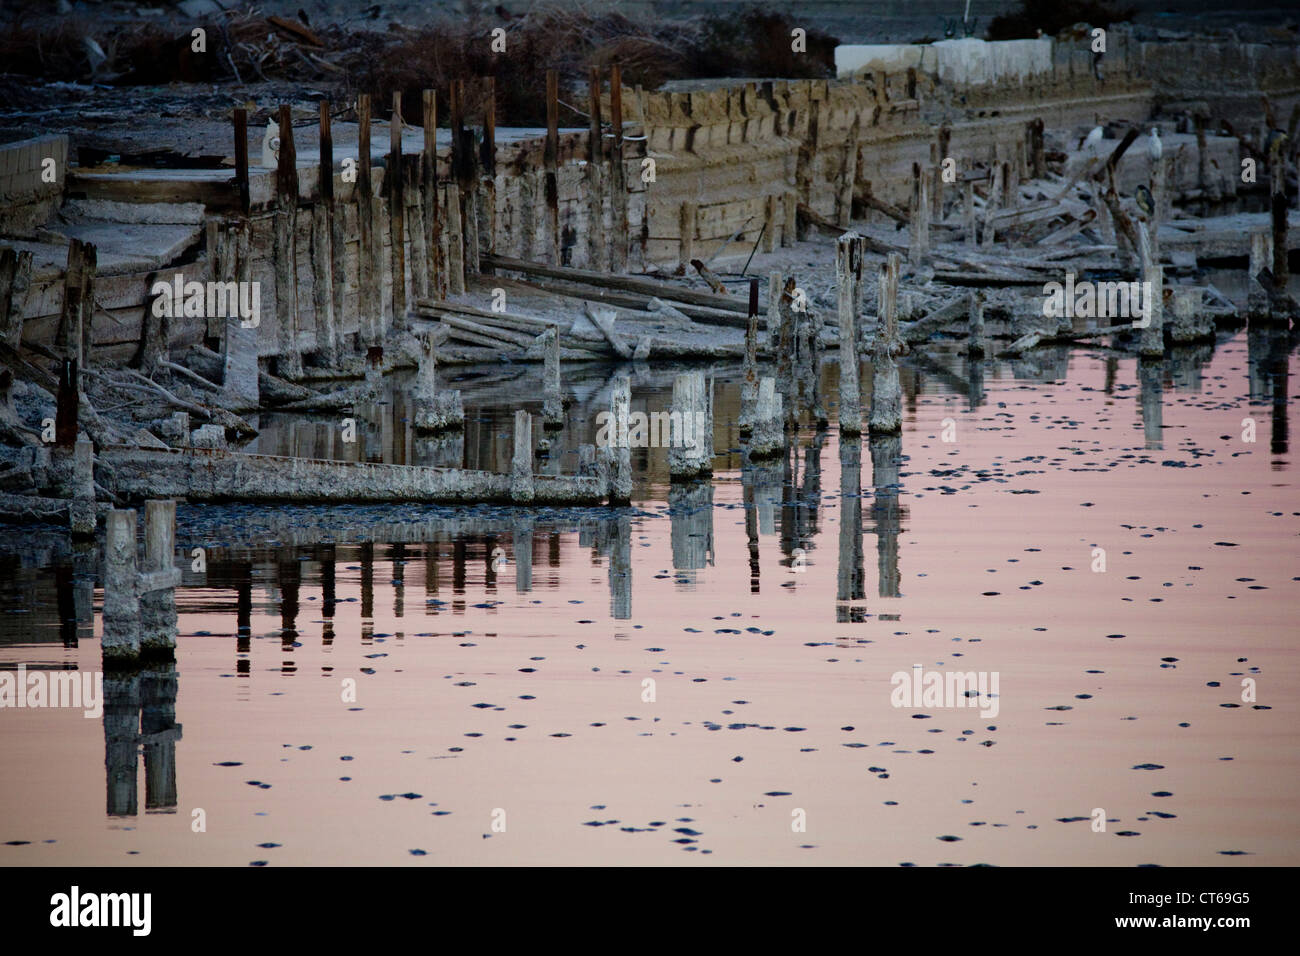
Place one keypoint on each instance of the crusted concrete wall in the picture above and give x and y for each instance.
(27, 193)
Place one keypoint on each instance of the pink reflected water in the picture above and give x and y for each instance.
(771, 644)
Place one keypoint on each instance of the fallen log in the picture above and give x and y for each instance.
(623, 283)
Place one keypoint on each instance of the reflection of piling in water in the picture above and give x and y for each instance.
(443, 450)
(288, 576)
(768, 437)
(1186, 363)
(159, 733)
(620, 568)
(848, 274)
(328, 593)
(1268, 364)
(886, 511)
(397, 554)
(121, 740)
(690, 510)
(121, 640)
(1151, 382)
(975, 323)
(552, 402)
(886, 390)
(812, 483)
(851, 577)
(690, 447)
(522, 534)
(751, 525)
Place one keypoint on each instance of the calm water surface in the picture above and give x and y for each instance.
(416, 685)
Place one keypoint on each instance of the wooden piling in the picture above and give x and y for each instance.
(436, 268)
(968, 213)
(619, 455)
(241, 161)
(395, 178)
(886, 394)
(991, 207)
(488, 169)
(1037, 160)
(120, 642)
(552, 403)
(368, 294)
(521, 462)
(158, 605)
(67, 335)
(455, 242)
(848, 274)
(595, 177)
(288, 357)
(67, 404)
(749, 383)
(551, 159)
(848, 178)
(324, 287)
(690, 447)
(919, 247)
(975, 323)
(618, 173)
(1152, 340)
(1278, 208)
(686, 226)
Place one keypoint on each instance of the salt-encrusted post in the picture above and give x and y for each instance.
(158, 595)
(848, 273)
(618, 453)
(848, 177)
(81, 506)
(690, 446)
(749, 384)
(768, 440)
(552, 403)
(886, 393)
(435, 409)
(968, 213)
(121, 640)
(455, 243)
(521, 463)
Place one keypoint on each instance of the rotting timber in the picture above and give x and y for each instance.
(477, 243)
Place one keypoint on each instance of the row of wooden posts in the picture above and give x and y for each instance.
(449, 212)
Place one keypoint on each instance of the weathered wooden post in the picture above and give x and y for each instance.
(768, 440)
(886, 393)
(787, 347)
(618, 453)
(975, 323)
(369, 295)
(749, 384)
(521, 463)
(325, 290)
(919, 218)
(848, 177)
(159, 580)
(551, 160)
(552, 402)
(455, 243)
(488, 168)
(80, 465)
(968, 212)
(991, 207)
(1278, 208)
(618, 173)
(242, 193)
(594, 175)
(437, 278)
(1152, 340)
(1261, 259)
(394, 179)
(848, 273)
(690, 446)
(686, 242)
(121, 640)
(288, 358)
(435, 409)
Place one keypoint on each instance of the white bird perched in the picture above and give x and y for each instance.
(1092, 139)
(1155, 148)
(271, 144)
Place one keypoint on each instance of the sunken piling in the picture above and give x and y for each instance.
(690, 447)
(848, 272)
(886, 392)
